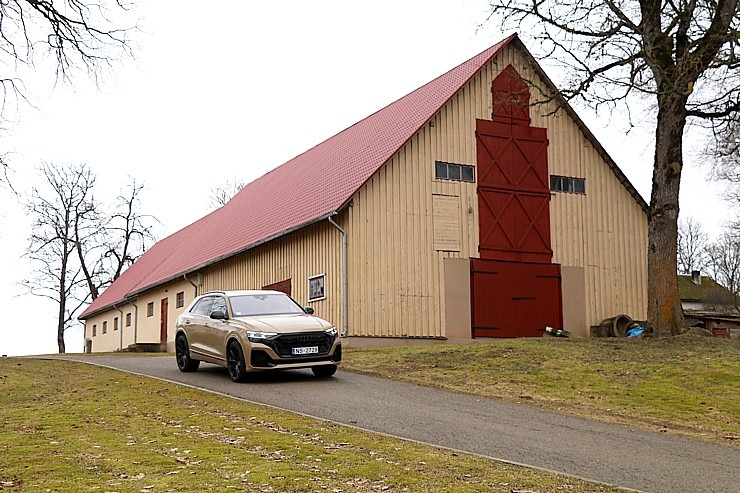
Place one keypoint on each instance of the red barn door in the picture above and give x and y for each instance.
(513, 192)
(515, 288)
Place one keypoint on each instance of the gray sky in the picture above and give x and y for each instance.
(224, 94)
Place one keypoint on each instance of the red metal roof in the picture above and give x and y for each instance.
(286, 198)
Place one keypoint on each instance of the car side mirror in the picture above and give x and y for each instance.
(219, 315)
(308, 310)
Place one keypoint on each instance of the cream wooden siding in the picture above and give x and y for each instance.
(297, 256)
(396, 275)
(143, 329)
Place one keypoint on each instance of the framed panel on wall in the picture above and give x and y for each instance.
(317, 287)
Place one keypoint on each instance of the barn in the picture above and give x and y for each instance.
(459, 211)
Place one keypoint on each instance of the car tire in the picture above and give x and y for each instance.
(235, 362)
(182, 353)
(324, 371)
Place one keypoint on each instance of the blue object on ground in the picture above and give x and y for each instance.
(636, 331)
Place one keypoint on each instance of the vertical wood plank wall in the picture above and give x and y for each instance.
(396, 276)
(314, 250)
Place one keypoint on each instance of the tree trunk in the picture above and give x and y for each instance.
(60, 321)
(60, 338)
(664, 304)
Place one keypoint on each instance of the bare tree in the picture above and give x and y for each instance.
(682, 55)
(57, 275)
(221, 194)
(77, 246)
(692, 246)
(128, 232)
(77, 35)
(727, 164)
(724, 263)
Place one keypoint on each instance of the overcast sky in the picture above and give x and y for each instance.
(233, 91)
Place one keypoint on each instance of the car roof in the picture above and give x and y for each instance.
(245, 292)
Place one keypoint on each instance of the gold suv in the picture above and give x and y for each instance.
(248, 331)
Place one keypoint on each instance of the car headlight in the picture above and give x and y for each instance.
(332, 332)
(260, 336)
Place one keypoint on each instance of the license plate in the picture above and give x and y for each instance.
(305, 350)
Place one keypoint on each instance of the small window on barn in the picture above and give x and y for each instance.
(150, 309)
(115, 323)
(455, 172)
(317, 287)
(95, 330)
(567, 184)
(128, 319)
(440, 170)
(467, 173)
(105, 327)
(180, 299)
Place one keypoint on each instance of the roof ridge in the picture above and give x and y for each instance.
(285, 198)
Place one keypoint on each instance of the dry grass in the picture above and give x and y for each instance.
(69, 427)
(687, 386)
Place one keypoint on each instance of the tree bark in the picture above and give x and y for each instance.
(664, 304)
(63, 294)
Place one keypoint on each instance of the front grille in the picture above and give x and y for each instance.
(284, 343)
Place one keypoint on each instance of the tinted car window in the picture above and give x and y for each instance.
(263, 304)
(203, 307)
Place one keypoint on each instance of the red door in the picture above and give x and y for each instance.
(513, 192)
(282, 286)
(515, 289)
(163, 321)
(514, 299)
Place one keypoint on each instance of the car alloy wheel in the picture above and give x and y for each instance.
(235, 362)
(182, 354)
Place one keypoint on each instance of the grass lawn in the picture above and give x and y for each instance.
(70, 427)
(688, 385)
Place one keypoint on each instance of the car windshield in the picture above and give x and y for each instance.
(263, 304)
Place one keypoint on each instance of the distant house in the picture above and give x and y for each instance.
(458, 211)
(708, 304)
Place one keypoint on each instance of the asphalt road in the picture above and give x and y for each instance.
(644, 461)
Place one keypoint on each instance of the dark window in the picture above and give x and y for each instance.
(453, 172)
(105, 327)
(180, 299)
(115, 323)
(457, 172)
(95, 330)
(150, 309)
(128, 319)
(441, 170)
(567, 184)
(467, 173)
